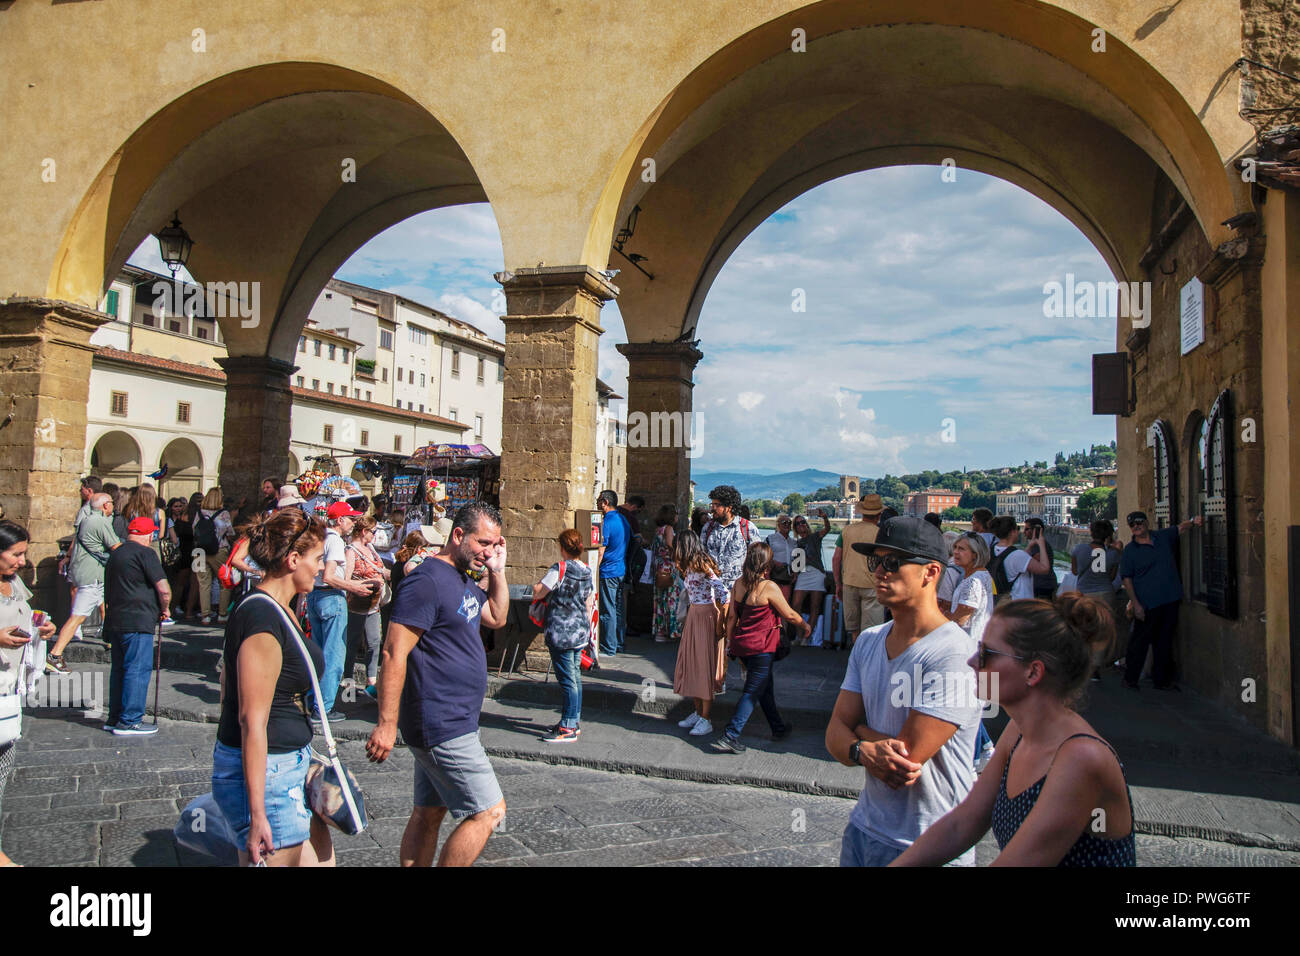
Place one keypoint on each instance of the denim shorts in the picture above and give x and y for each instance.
(286, 798)
(456, 774)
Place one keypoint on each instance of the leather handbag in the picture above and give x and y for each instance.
(332, 792)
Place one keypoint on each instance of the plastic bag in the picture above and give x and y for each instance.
(202, 828)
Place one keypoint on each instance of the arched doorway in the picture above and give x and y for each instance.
(116, 458)
(184, 463)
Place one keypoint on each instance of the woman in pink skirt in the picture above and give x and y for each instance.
(701, 663)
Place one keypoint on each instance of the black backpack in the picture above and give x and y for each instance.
(205, 534)
(635, 556)
(998, 571)
(1045, 584)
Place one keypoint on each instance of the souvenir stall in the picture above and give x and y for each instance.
(465, 473)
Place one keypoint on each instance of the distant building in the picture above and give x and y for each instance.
(937, 500)
(1104, 479)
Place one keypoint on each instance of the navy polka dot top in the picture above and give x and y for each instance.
(1088, 850)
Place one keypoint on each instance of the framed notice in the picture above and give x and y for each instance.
(1192, 311)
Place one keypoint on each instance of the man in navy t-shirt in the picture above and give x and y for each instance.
(1148, 567)
(614, 536)
(431, 684)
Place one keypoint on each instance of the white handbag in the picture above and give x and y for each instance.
(11, 705)
(11, 718)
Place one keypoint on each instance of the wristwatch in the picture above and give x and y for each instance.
(854, 748)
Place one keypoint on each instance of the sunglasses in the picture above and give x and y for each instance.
(984, 653)
(1139, 521)
(891, 562)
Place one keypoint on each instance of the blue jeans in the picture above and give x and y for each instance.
(128, 676)
(759, 689)
(327, 610)
(568, 671)
(613, 621)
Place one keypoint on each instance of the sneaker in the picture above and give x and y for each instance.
(134, 730)
(336, 714)
(702, 727)
(660, 639)
(372, 691)
(691, 720)
(168, 621)
(782, 734)
(54, 665)
(727, 745)
(562, 735)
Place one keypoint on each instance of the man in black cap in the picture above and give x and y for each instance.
(1149, 569)
(907, 710)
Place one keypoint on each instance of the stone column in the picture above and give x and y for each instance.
(1280, 439)
(45, 356)
(548, 439)
(255, 435)
(663, 434)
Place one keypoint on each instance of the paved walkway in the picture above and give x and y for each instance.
(1207, 788)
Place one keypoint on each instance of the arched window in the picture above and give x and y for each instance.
(1160, 438)
(1218, 567)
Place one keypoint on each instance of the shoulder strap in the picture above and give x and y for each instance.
(560, 579)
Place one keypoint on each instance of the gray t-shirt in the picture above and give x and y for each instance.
(95, 539)
(1090, 581)
(890, 692)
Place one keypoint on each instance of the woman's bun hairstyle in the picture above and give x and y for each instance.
(270, 539)
(1070, 634)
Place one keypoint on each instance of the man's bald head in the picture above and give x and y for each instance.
(98, 501)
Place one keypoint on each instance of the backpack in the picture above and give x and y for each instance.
(1046, 583)
(634, 557)
(537, 610)
(205, 534)
(998, 571)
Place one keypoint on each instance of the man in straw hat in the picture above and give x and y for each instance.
(854, 584)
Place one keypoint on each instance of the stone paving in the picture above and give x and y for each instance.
(81, 797)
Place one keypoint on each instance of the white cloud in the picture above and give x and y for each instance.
(749, 400)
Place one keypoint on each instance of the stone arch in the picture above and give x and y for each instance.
(257, 163)
(184, 461)
(771, 126)
(116, 457)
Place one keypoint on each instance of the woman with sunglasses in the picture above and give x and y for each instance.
(1071, 803)
(263, 748)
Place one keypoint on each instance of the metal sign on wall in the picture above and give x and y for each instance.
(1192, 312)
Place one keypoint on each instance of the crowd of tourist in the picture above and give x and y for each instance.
(296, 592)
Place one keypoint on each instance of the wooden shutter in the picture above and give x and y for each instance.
(1164, 459)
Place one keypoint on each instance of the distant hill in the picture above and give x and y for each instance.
(752, 485)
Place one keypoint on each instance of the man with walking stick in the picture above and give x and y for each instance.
(138, 598)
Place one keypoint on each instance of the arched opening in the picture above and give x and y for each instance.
(116, 458)
(184, 463)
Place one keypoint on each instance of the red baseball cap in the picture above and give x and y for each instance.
(341, 509)
(142, 526)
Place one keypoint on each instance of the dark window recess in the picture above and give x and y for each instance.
(1218, 567)
(1164, 461)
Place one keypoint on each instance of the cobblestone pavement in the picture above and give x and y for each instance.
(82, 797)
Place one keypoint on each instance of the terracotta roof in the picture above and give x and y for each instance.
(216, 375)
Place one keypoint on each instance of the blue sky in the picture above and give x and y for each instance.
(924, 302)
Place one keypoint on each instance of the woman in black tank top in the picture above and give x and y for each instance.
(1072, 805)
